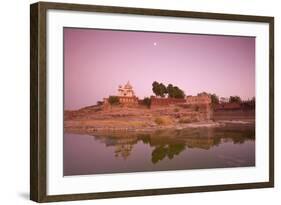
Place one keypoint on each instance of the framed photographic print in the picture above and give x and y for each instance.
(134, 102)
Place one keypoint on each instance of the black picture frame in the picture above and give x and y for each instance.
(38, 100)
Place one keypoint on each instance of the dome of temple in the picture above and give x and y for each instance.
(128, 86)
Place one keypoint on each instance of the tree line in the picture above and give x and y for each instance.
(159, 89)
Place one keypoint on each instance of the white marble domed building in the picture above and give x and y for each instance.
(126, 94)
(126, 90)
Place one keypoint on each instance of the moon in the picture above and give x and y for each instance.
(155, 44)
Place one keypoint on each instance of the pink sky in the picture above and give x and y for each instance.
(97, 61)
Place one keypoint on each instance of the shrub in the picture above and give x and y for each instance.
(185, 120)
(113, 100)
(162, 120)
(188, 120)
(147, 101)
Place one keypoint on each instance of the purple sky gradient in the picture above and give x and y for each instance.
(97, 61)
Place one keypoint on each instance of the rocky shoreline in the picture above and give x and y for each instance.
(206, 124)
(141, 119)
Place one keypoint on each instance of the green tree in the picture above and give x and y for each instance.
(178, 93)
(170, 91)
(159, 89)
(214, 99)
(156, 88)
(162, 89)
(235, 99)
(113, 100)
(175, 92)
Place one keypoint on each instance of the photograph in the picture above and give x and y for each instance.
(144, 101)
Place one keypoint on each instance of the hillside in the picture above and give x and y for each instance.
(97, 118)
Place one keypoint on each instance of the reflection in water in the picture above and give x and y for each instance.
(169, 143)
(162, 151)
(177, 149)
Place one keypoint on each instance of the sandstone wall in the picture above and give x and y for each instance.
(165, 101)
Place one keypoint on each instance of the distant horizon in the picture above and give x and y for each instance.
(97, 61)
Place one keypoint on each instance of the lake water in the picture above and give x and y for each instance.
(200, 148)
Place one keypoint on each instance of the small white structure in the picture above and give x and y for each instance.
(126, 90)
